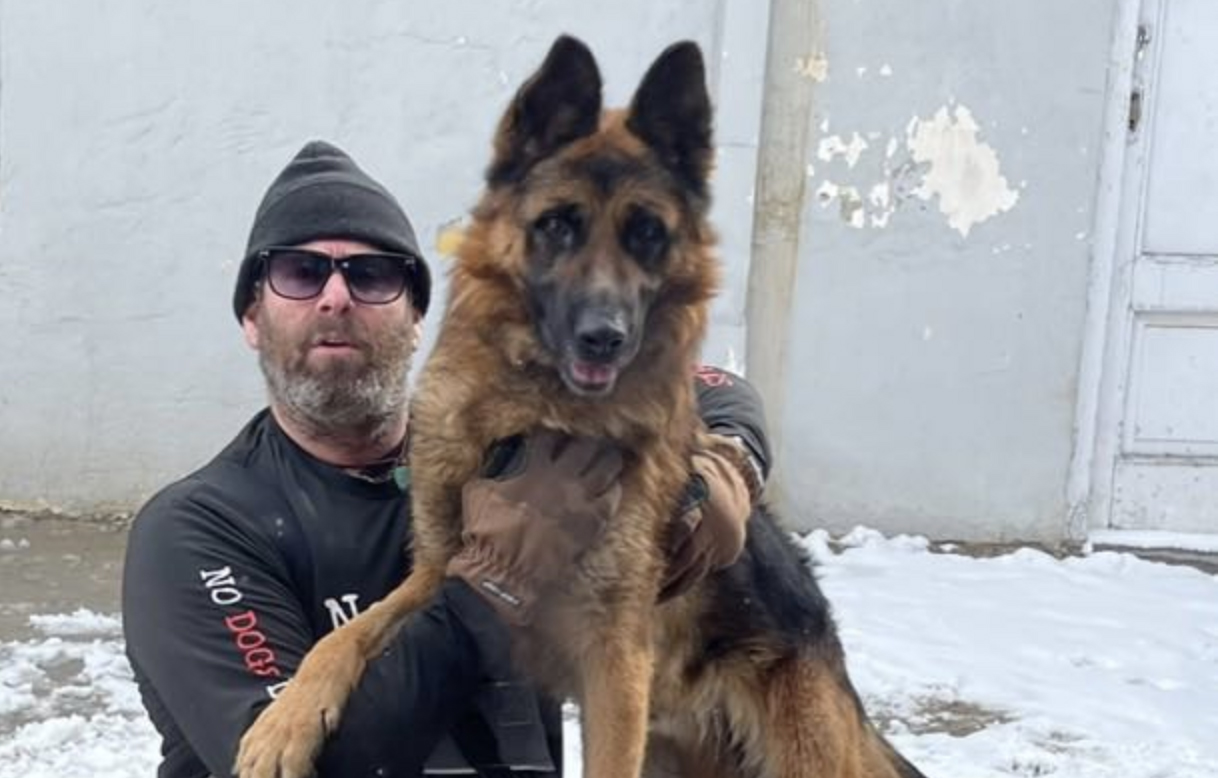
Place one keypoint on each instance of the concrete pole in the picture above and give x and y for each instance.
(795, 64)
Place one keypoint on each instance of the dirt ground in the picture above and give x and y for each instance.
(56, 565)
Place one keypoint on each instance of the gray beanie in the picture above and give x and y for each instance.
(322, 193)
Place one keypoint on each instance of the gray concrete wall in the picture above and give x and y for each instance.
(136, 138)
(919, 346)
(932, 344)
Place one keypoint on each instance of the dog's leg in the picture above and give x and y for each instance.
(671, 758)
(662, 759)
(286, 737)
(813, 729)
(616, 699)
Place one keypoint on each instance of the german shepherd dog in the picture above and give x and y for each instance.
(578, 302)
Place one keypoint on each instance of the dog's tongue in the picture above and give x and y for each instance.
(593, 374)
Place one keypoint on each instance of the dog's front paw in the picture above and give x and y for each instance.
(287, 736)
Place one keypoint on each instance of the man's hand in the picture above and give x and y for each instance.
(708, 533)
(527, 527)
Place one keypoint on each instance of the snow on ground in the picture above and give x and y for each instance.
(1016, 665)
(68, 706)
(1103, 665)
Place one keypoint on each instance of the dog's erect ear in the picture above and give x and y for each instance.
(671, 113)
(560, 103)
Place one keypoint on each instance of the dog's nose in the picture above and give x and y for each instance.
(599, 336)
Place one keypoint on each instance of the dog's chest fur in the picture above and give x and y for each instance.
(462, 412)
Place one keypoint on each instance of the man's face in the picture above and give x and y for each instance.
(333, 363)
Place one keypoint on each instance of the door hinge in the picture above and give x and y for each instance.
(1136, 97)
(1142, 41)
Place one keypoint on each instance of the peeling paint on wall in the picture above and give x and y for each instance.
(813, 66)
(851, 204)
(880, 198)
(963, 172)
(941, 157)
(833, 146)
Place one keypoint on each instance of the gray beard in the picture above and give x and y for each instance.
(339, 405)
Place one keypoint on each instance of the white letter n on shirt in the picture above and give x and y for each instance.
(344, 611)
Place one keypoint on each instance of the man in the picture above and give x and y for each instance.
(233, 572)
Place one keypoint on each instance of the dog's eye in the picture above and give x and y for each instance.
(645, 236)
(558, 228)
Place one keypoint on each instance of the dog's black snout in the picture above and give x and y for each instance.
(599, 337)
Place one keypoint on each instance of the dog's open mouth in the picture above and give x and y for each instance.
(590, 378)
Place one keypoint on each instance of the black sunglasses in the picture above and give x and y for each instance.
(374, 278)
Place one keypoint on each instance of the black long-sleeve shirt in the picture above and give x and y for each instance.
(235, 571)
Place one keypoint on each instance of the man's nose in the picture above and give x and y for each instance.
(335, 295)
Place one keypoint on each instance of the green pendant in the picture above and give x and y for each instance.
(401, 477)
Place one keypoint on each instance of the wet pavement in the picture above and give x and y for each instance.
(56, 565)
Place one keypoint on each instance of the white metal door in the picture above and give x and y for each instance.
(1164, 462)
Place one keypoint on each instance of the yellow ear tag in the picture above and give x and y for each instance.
(450, 238)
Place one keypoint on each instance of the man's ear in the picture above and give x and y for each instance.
(416, 332)
(249, 326)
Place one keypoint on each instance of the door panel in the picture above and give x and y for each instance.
(1173, 391)
(1181, 212)
(1165, 495)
